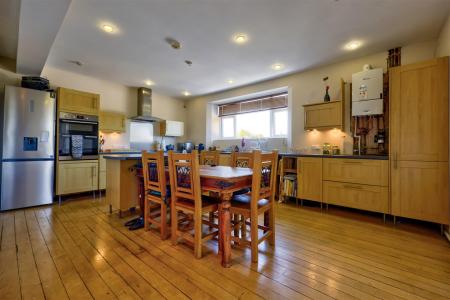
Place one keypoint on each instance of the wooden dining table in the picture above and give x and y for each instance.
(224, 181)
(122, 191)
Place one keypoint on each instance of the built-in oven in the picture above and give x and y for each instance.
(84, 129)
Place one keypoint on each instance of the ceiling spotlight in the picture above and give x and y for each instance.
(277, 66)
(230, 81)
(173, 43)
(186, 93)
(149, 82)
(108, 28)
(240, 38)
(353, 45)
(76, 62)
(188, 62)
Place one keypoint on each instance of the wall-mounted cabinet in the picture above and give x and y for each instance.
(78, 102)
(171, 128)
(325, 115)
(111, 122)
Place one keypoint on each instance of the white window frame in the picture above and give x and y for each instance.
(272, 126)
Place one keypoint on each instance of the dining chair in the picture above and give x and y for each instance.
(156, 193)
(187, 198)
(210, 158)
(242, 159)
(259, 201)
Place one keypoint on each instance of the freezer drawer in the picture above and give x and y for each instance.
(26, 183)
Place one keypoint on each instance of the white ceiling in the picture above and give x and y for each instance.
(298, 33)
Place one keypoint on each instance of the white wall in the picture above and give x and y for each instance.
(443, 42)
(305, 87)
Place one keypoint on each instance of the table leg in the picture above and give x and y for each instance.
(225, 229)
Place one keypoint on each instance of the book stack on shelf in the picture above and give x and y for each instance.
(290, 185)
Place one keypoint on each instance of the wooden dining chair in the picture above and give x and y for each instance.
(260, 200)
(157, 199)
(210, 158)
(186, 197)
(242, 159)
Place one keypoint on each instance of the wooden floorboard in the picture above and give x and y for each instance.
(79, 251)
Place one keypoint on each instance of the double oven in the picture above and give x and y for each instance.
(80, 128)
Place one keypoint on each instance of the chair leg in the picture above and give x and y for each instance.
(235, 222)
(146, 213)
(271, 225)
(254, 236)
(198, 233)
(243, 228)
(163, 221)
(174, 227)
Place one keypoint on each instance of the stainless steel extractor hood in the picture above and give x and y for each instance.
(144, 106)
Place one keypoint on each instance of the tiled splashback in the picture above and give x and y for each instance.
(250, 144)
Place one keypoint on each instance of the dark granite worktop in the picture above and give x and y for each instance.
(137, 156)
(378, 157)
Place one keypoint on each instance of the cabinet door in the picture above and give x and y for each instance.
(360, 196)
(225, 160)
(419, 190)
(309, 172)
(363, 171)
(326, 115)
(111, 122)
(78, 102)
(419, 111)
(76, 177)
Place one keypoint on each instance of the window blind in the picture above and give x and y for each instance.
(256, 104)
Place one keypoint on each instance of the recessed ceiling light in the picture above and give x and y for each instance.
(230, 81)
(352, 45)
(277, 66)
(108, 28)
(149, 82)
(240, 38)
(186, 93)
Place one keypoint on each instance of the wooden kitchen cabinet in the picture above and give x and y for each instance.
(78, 102)
(324, 115)
(419, 140)
(102, 173)
(225, 160)
(171, 128)
(420, 191)
(419, 127)
(360, 196)
(309, 178)
(112, 122)
(363, 171)
(77, 176)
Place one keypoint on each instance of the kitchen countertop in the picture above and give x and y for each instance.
(377, 157)
(137, 156)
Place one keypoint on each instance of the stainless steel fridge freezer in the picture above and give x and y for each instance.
(28, 148)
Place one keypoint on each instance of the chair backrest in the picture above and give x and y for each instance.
(210, 158)
(242, 159)
(185, 176)
(154, 172)
(264, 176)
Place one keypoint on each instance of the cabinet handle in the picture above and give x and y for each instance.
(352, 162)
(395, 160)
(353, 187)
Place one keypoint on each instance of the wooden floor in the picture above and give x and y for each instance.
(78, 251)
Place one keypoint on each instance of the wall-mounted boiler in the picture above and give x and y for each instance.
(367, 92)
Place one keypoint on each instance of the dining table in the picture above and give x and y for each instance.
(224, 181)
(122, 191)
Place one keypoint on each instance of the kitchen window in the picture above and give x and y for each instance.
(264, 117)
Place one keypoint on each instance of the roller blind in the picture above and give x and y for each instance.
(256, 104)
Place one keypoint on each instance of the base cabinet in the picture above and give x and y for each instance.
(360, 196)
(77, 177)
(309, 178)
(420, 190)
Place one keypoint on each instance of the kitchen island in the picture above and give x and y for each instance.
(122, 193)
